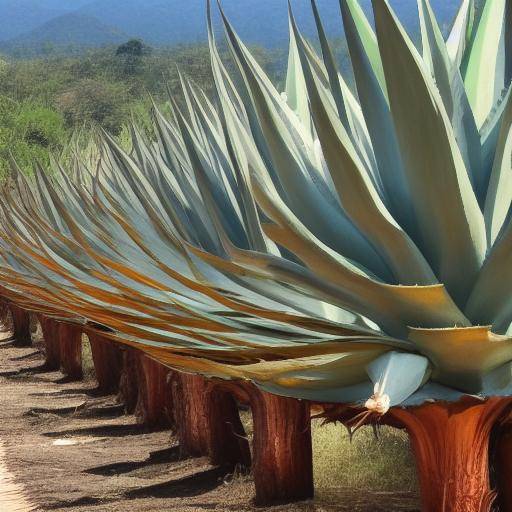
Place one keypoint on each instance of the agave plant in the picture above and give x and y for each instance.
(325, 244)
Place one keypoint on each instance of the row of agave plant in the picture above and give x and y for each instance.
(316, 246)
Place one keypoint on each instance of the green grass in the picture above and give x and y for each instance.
(383, 464)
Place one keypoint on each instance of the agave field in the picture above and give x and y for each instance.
(319, 251)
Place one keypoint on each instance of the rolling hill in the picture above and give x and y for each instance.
(75, 30)
(21, 16)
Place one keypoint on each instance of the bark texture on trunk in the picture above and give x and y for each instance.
(282, 452)
(228, 444)
(70, 340)
(107, 359)
(502, 465)
(190, 414)
(154, 406)
(450, 442)
(21, 326)
(51, 342)
(129, 381)
(208, 423)
(5, 316)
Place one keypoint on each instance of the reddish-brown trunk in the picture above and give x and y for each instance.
(21, 326)
(190, 414)
(502, 463)
(51, 342)
(70, 340)
(5, 317)
(207, 422)
(282, 453)
(107, 359)
(228, 444)
(450, 442)
(154, 407)
(129, 381)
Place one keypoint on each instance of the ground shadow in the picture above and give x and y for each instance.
(26, 356)
(90, 392)
(60, 411)
(28, 371)
(80, 502)
(186, 487)
(159, 457)
(106, 431)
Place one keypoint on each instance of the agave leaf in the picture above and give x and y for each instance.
(433, 391)
(489, 302)
(355, 188)
(349, 110)
(329, 63)
(460, 33)
(451, 88)
(485, 69)
(235, 130)
(398, 375)
(499, 193)
(216, 194)
(291, 165)
(483, 352)
(489, 133)
(379, 121)
(340, 369)
(450, 222)
(356, 393)
(343, 280)
(368, 39)
(435, 55)
(227, 287)
(295, 89)
(211, 368)
(182, 200)
(234, 125)
(284, 294)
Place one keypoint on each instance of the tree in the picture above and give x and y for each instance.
(131, 54)
(94, 102)
(134, 48)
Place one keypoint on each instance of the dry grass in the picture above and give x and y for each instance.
(87, 362)
(366, 463)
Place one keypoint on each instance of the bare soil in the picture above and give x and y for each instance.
(73, 451)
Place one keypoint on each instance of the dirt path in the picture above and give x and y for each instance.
(74, 452)
(12, 494)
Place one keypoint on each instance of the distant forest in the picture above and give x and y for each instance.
(48, 101)
(44, 101)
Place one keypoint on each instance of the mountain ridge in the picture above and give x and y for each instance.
(171, 22)
(72, 29)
